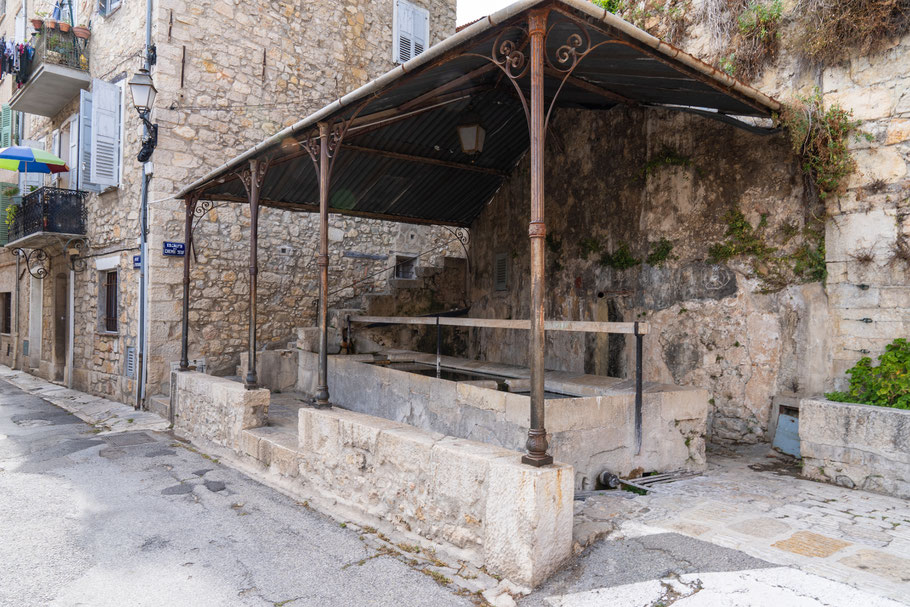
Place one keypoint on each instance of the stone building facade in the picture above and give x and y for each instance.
(730, 326)
(228, 74)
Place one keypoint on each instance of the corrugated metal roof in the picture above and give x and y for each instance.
(401, 159)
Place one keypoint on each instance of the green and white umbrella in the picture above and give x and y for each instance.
(29, 160)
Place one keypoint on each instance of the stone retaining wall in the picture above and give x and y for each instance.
(217, 409)
(477, 497)
(856, 445)
(593, 431)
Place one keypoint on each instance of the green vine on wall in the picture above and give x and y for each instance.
(820, 136)
(666, 157)
(887, 385)
(774, 267)
(620, 259)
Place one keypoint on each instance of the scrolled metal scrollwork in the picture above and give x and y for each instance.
(35, 261)
(201, 209)
(508, 54)
(77, 261)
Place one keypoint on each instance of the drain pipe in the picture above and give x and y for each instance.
(16, 338)
(70, 326)
(143, 238)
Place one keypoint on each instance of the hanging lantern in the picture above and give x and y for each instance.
(471, 134)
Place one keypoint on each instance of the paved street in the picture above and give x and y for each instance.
(131, 519)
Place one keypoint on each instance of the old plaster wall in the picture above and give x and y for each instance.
(711, 326)
(282, 62)
(874, 212)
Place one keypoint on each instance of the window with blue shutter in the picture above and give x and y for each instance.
(411, 30)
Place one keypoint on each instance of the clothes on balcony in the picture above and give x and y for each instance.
(24, 56)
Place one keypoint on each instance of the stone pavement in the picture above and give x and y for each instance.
(105, 415)
(753, 501)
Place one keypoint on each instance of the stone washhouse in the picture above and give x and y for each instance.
(468, 405)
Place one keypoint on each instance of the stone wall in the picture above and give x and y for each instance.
(217, 410)
(217, 96)
(591, 427)
(856, 445)
(314, 52)
(711, 324)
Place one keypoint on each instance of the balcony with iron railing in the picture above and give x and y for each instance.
(48, 215)
(58, 70)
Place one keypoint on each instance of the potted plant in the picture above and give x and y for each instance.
(64, 26)
(38, 20)
(81, 31)
(50, 23)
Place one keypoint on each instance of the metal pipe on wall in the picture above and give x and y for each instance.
(70, 327)
(537, 434)
(190, 203)
(252, 379)
(322, 262)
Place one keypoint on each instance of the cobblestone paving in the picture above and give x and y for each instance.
(753, 500)
(105, 415)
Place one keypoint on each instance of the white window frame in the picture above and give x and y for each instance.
(398, 6)
(107, 7)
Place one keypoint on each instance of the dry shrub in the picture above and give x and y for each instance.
(666, 19)
(757, 38)
(900, 250)
(863, 255)
(832, 29)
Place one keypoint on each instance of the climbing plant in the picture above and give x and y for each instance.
(620, 259)
(774, 265)
(820, 136)
(757, 39)
(887, 385)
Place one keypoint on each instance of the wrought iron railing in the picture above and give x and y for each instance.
(60, 48)
(49, 209)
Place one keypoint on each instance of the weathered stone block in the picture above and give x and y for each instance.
(868, 445)
(217, 409)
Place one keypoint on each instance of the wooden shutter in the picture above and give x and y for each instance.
(105, 138)
(411, 30)
(6, 126)
(420, 28)
(5, 201)
(501, 272)
(73, 158)
(84, 165)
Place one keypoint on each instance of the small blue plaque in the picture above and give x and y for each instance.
(137, 262)
(174, 249)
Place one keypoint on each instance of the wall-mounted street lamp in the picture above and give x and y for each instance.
(471, 134)
(143, 91)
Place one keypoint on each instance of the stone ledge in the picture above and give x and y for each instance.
(476, 497)
(856, 445)
(217, 409)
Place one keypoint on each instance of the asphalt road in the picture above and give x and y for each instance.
(137, 519)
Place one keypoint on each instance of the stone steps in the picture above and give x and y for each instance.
(160, 405)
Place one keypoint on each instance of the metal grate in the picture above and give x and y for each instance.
(406, 267)
(501, 272)
(131, 362)
(49, 210)
(110, 301)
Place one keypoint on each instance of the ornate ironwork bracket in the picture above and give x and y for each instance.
(77, 262)
(508, 55)
(337, 132)
(35, 261)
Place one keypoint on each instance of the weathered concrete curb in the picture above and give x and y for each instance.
(106, 415)
(856, 445)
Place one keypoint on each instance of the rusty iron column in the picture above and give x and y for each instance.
(537, 434)
(188, 248)
(322, 261)
(253, 181)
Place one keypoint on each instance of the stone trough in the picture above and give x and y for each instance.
(589, 418)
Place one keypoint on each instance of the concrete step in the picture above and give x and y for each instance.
(160, 405)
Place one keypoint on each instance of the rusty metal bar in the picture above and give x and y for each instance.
(537, 433)
(438, 348)
(190, 203)
(577, 326)
(639, 386)
(322, 262)
(253, 181)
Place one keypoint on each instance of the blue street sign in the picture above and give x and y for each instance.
(137, 262)
(174, 249)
